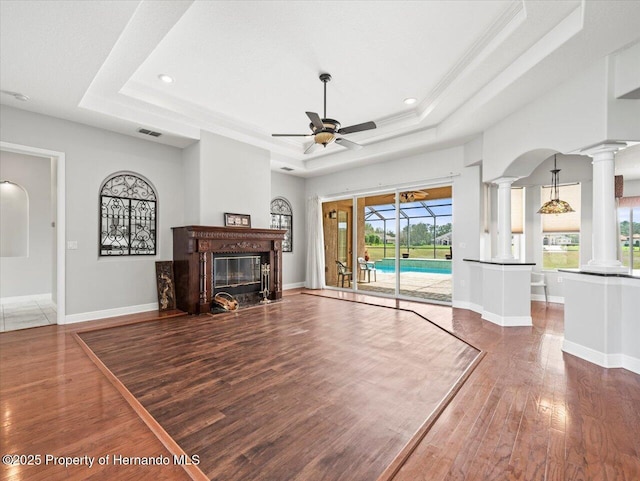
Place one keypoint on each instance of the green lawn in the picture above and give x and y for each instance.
(570, 259)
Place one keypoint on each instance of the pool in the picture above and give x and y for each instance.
(430, 266)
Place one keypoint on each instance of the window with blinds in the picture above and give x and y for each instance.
(561, 232)
(517, 210)
(517, 222)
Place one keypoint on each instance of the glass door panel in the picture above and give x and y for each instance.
(337, 220)
(425, 243)
(376, 253)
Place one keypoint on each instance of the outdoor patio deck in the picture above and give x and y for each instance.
(436, 287)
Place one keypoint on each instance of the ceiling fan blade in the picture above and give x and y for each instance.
(311, 148)
(315, 120)
(348, 144)
(291, 135)
(357, 128)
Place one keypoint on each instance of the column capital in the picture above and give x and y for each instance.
(602, 148)
(504, 180)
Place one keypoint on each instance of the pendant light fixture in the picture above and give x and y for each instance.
(555, 205)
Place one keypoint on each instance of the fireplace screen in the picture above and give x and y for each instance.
(236, 271)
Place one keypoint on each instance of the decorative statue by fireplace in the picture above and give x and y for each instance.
(209, 260)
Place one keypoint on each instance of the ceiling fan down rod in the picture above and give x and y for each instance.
(325, 77)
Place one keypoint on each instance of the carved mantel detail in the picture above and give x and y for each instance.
(240, 246)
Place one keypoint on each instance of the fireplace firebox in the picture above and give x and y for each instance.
(236, 271)
(208, 260)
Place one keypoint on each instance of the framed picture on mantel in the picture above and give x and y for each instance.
(237, 220)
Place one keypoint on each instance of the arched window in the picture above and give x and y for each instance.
(14, 220)
(128, 205)
(282, 218)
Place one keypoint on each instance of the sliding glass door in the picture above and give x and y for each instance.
(396, 244)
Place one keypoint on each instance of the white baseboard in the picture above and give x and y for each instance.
(600, 358)
(32, 297)
(295, 285)
(507, 321)
(118, 311)
(554, 299)
(470, 306)
(631, 363)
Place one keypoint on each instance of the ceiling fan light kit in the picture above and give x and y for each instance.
(325, 130)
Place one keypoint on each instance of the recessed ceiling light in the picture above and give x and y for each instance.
(410, 100)
(168, 79)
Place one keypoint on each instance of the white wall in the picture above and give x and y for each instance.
(93, 283)
(192, 183)
(569, 117)
(293, 263)
(235, 177)
(31, 274)
(627, 66)
(445, 165)
(623, 115)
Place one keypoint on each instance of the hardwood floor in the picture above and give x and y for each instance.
(304, 389)
(527, 412)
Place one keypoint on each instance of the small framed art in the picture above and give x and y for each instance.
(237, 220)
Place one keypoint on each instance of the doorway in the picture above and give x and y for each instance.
(56, 162)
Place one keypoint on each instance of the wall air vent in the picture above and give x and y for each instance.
(149, 132)
(286, 169)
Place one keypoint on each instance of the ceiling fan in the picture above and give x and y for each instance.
(412, 196)
(325, 130)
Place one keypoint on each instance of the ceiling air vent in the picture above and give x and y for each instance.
(286, 169)
(149, 132)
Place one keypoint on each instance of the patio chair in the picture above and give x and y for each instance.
(450, 254)
(343, 272)
(365, 268)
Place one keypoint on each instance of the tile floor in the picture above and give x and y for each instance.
(26, 312)
(415, 284)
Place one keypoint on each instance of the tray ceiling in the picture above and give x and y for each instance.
(248, 69)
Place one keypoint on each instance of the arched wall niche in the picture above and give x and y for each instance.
(14, 220)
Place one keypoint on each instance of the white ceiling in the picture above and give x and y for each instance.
(248, 69)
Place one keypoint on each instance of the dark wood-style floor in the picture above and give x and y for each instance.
(527, 412)
(305, 389)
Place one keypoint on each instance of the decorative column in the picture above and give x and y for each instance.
(604, 256)
(504, 253)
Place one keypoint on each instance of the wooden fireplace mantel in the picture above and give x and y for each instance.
(195, 246)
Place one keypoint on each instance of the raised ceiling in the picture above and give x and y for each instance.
(248, 69)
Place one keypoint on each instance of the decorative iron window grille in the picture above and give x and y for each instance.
(282, 218)
(129, 208)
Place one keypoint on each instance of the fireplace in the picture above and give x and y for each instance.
(208, 260)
